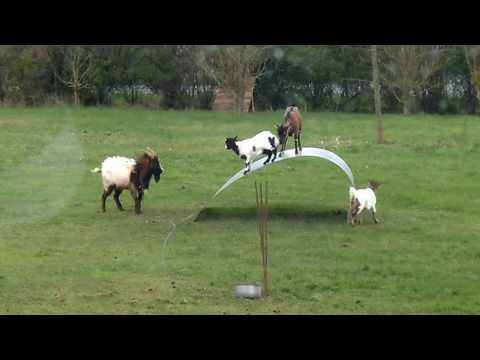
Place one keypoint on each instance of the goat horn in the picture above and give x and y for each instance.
(150, 152)
(153, 151)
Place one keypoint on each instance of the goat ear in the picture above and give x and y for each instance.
(374, 184)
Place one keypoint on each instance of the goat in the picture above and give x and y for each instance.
(291, 126)
(363, 199)
(264, 143)
(120, 173)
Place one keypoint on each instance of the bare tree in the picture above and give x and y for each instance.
(378, 99)
(472, 57)
(76, 67)
(235, 67)
(3, 72)
(407, 69)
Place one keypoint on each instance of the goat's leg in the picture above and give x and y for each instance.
(269, 153)
(299, 142)
(274, 155)
(138, 206)
(374, 213)
(352, 218)
(349, 217)
(357, 219)
(359, 215)
(247, 168)
(296, 145)
(116, 197)
(140, 200)
(136, 198)
(284, 145)
(105, 195)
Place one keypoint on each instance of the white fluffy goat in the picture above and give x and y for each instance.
(264, 143)
(363, 199)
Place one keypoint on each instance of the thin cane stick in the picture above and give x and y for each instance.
(256, 192)
(258, 209)
(262, 239)
(259, 218)
(265, 241)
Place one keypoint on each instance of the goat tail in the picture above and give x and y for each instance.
(96, 170)
(352, 193)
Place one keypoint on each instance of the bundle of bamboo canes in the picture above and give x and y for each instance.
(262, 215)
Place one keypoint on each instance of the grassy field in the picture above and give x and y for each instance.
(60, 255)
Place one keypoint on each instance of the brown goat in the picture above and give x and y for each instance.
(292, 126)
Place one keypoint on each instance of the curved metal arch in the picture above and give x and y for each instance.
(290, 154)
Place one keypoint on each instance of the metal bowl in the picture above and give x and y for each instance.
(248, 291)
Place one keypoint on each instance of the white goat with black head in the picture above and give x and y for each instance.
(264, 143)
(120, 173)
(363, 199)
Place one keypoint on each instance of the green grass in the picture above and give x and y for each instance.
(60, 255)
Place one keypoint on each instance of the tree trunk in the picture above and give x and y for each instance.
(470, 98)
(75, 75)
(252, 106)
(76, 96)
(240, 99)
(238, 103)
(406, 102)
(378, 99)
(406, 107)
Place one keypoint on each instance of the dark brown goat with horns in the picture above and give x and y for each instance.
(292, 126)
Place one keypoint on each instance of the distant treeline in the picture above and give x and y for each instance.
(413, 78)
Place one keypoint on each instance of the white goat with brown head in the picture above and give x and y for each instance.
(363, 199)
